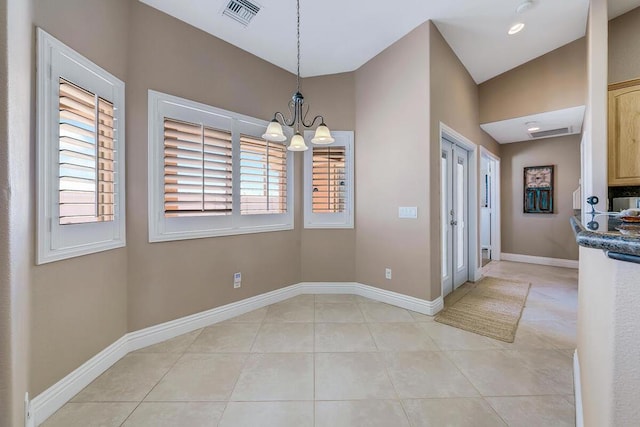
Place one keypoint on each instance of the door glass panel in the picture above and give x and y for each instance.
(443, 213)
(460, 209)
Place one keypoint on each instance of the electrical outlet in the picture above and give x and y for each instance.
(387, 273)
(237, 280)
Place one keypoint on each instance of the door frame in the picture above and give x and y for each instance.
(475, 263)
(496, 249)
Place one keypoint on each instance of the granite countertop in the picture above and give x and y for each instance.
(608, 232)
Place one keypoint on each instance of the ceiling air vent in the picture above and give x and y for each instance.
(550, 132)
(242, 11)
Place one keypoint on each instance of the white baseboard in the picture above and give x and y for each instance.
(577, 389)
(418, 305)
(529, 259)
(48, 402)
(173, 328)
(52, 399)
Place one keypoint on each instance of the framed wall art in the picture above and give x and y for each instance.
(538, 189)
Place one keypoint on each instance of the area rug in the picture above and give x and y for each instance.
(491, 307)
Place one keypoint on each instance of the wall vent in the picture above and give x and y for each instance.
(242, 11)
(551, 132)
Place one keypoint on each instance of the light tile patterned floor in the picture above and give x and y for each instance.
(342, 360)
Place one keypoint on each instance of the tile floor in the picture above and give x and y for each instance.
(343, 360)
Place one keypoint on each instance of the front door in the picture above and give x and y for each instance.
(454, 216)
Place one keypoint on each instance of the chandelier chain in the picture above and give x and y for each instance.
(298, 23)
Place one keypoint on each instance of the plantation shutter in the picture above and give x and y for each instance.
(197, 170)
(263, 176)
(86, 156)
(329, 189)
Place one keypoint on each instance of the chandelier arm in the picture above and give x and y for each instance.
(282, 119)
(312, 123)
(303, 114)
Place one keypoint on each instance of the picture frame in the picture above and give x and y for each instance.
(538, 189)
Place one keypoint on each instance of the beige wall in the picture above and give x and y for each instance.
(543, 235)
(79, 305)
(455, 103)
(83, 304)
(16, 206)
(551, 82)
(172, 279)
(398, 127)
(329, 255)
(392, 166)
(624, 47)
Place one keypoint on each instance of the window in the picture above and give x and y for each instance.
(328, 183)
(211, 174)
(197, 170)
(80, 155)
(263, 176)
(85, 165)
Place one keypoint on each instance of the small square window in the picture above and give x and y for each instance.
(328, 183)
(80, 155)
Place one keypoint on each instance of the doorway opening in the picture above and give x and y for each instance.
(458, 210)
(489, 206)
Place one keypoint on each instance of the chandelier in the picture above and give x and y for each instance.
(297, 115)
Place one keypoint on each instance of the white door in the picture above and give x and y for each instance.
(486, 206)
(454, 216)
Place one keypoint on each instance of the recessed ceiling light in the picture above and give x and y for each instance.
(516, 28)
(532, 126)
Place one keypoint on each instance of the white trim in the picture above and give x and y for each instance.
(52, 399)
(577, 389)
(430, 308)
(164, 331)
(496, 237)
(529, 259)
(418, 305)
(161, 229)
(474, 244)
(54, 241)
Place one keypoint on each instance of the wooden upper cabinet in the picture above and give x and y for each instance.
(624, 133)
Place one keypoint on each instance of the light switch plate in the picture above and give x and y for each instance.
(408, 212)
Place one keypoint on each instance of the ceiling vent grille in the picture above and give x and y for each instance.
(242, 11)
(551, 132)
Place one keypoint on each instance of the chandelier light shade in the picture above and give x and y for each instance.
(297, 115)
(323, 135)
(274, 132)
(297, 143)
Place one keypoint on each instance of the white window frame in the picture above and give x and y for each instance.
(162, 229)
(57, 242)
(337, 219)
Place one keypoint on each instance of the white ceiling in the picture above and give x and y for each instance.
(341, 35)
(515, 130)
